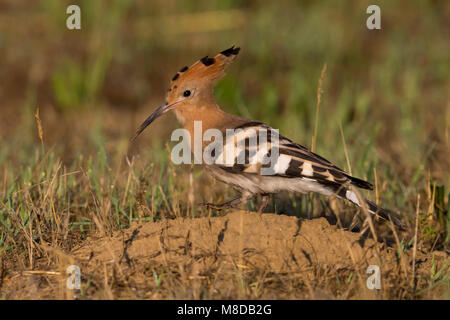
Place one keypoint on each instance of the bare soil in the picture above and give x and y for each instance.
(238, 255)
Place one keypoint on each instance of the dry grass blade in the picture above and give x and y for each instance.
(401, 255)
(416, 229)
(41, 272)
(39, 127)
(345, 148)
(319, 95)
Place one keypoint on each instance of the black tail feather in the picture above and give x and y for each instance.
(351, 196)
(360, 183)
(385, 214)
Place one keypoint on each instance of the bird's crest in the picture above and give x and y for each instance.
(207, 68)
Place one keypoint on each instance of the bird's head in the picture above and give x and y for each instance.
(192, 87)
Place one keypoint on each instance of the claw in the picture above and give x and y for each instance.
(215, 206)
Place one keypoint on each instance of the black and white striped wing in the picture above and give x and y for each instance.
(254, 143)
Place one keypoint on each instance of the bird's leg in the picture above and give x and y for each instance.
(354, 223)
(228, 204)
(264, 202)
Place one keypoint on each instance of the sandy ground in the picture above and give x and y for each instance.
(201, 258)
(277, 242)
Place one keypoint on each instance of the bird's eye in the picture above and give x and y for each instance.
(187, 93)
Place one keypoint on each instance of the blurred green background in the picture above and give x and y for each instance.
(388, 88)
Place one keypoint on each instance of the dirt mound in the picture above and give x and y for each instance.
(238, 255)
(276, 242)
(209, 257)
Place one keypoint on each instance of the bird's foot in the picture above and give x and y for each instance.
(221, 206)
(226, 205)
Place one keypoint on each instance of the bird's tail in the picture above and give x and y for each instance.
(371, 207)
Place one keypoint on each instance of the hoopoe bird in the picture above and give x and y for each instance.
(294, 169)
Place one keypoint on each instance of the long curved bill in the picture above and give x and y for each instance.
(158, 112)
